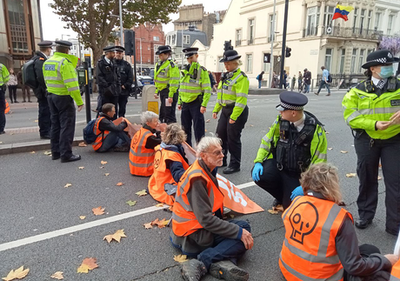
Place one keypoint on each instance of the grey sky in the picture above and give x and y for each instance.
(53, 26)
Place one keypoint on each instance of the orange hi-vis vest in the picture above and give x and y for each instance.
(309, 249)
(7, 108)
(184, 221)
(141, 158)
(162, 175)
(100, 135)
(395, 276)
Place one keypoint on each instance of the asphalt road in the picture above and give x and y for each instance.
(42, 230)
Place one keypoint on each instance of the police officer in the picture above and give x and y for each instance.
(295, 141)
(372, 110)
(40, 91)
(232, 100)
(166, 80)
(194, 94)
(108, 79)
(126, 74)
(63, 89)
(4, 77)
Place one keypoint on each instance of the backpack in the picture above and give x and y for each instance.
(88, 132)
(29, 75)
(329, 80)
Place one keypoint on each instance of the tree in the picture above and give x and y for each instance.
(94, 20)
(390, 43)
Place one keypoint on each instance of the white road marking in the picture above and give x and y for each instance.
(88, 225)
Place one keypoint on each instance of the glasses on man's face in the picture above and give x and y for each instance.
(216, 152)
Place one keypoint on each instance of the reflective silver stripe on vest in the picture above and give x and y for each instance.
(385, 110)
(179, 198)
(264, 147)
(140, 154)
(326, 230)
(70, 80)
(55, 85)
(309, 257)
(320, 155)
(178, 218)
(141, 143)
(141, 165)
(240, 105)
(161, 82)
(241, 95)
(393, 278)
(196, 91)
(73, 89)
(206, 85)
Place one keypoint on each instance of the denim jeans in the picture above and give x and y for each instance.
(323, 83)
(259, 84)
(114, 139)
(306, 88)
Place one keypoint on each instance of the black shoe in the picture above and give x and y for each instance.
(71, 159)
(391, 231)
(2, 132)
(123, 148)
(230, 170)
(55, 155)
(276, 203)
(45, 137)
(227, 270)
(16, 101)
(363, 224)
(193, 270)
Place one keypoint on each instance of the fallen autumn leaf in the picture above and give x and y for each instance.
(82, 217)
(103, 162)
(87, 264)
(180, 258)
(343, 151)
(141, 193)
(16, 274)
(48, 153)
(57, 275)
(160, 205)
(81, 168)
(120, 184)
(148, 225)
(351, 175)
(116, 236)
(131, 203)
(82, 144)
(68, 185)
(98, 211)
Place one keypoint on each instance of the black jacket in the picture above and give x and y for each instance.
(41, 91)
(106, 124)
(126, 74)
(107, 78)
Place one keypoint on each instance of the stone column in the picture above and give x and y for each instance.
(321, 18)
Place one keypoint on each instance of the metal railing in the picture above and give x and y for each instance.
(310, 31)
(352, 33)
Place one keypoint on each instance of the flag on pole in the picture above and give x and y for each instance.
(342, 12)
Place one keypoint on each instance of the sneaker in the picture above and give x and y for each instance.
(328, 94)
(193, 270)
(123, 148)
(227, 270)
(316, 93)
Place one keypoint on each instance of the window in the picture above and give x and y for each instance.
(155, 50)
(156, 38)
(249, 62)
(18, 26)
(186, 39)
(251, 31)
(271, 34)
(328, 58)
(342, 60)
(361, 60)
(368, 27)
(329, 11)
(362, 17)
(353, 61)
(173, 41)
(221, 66)
(390, 24)
(312, 21)
(238, 37)
(355, 19)
(378, 20)
(168, 40)
(148, 48)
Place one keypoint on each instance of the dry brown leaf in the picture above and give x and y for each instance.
(351, 175)
(180, 258)
(82, 217)
(273, 212)
(68, 185)
(36, 121)
(116, 236)
(87, 264)
(81, 168)
(103, 162)
(120, 184)
(107, 174)
(33, 152)
(379, 178)
(327, 133)
(48, 153)
(102, 167)
(16, 274)
(148, 225)
(160, 223)
(141, 193)
(98, 211)
(208, 120)
(343, 151)
(330, 148)
(278, 208)
(160, 205)
(82, 144)
(57, 275)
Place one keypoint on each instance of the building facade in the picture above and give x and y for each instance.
(341, 46)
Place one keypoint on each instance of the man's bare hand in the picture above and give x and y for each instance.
(232, 121)
(179, 107)
(170, 100)
(203, 110)
(382, 125)
(395, 119)
(247, 239)
(123, 87)
(155, 96)
(80, 107)
(392, 258)
(215, 115)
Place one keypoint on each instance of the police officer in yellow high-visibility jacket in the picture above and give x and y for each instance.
(372, 110)
(166, 80)
(232, 100)
(63, 89)
(4, 77)
(194, 94)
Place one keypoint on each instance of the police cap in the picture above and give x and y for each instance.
(190, 51)
(291, 101)
(63, 43)
(119, 49)
(230, 55)
(45, 44)
(109, 49)
(380, 57)
(163, 49)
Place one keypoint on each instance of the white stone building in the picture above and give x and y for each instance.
(341, 46)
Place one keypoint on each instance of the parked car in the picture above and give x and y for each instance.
(145, 80)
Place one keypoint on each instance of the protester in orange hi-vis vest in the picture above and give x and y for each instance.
(141, 154)
(395, 276)
(169, 165)
(320, 240)
(109, 135)
(198, 229)
(7, 107)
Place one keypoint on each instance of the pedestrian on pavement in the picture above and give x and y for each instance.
(293, 83)
(275, 82)
(307, 81)
(260, 78)
(170, 163)
(126, 73)
(233, 90)
(320, 239)
(194, 94)
(372, 110)
(212, 81)
(4, 77)
(26, 93)
(300, 82)
(110, 136)
(40, 92)
(12, 86)
(284, 82)
(295, 141)
(324, 81)
(63, 89)
(198, 228)
(166, 80)
(141, 155)
(108, 79)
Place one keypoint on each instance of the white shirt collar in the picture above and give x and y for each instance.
(44, 55)
(107, 60)
(299, 124)
(376, 80)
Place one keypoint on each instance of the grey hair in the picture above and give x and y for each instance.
(206, 142)
(148, 116)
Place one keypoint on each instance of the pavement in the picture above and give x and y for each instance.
(41, 224)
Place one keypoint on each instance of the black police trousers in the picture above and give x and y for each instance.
(279, 184)
(2, 108)
(230, 135)
(167, 113)
(122, 101)
(369, 152)
(63, 115)
(191, 113)
(44, 117)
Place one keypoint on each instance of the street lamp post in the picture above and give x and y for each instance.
(120, 24)
(141, 58)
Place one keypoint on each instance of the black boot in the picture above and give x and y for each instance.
(227, 270)
(193, 270)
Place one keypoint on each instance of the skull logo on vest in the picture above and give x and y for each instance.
(303, 220)
(135, 140)
(157, 159)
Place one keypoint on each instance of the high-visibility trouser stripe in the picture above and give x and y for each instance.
(237, 104)
(73, 89)
(393, 278)
(141, 165)
(241, 95)
(319, 258)
(70, 80)
(337, 276)
(161, 82)
(139, 154)
(55, 85)
(182, 188)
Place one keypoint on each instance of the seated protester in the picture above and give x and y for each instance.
(141, 155)
(295, 141)
(198, 229)
(110, 136)
(169, 165)
(320, 241)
